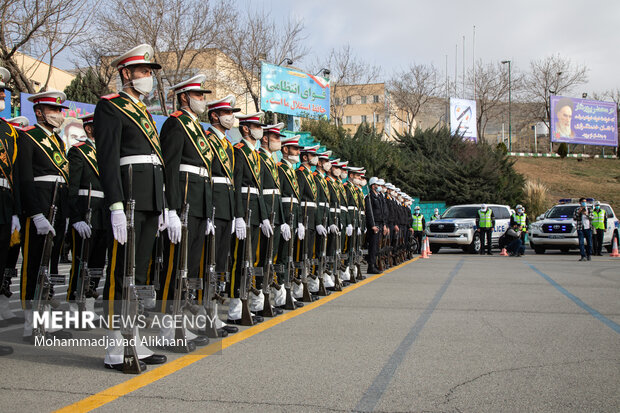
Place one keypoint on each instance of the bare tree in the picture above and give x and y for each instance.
(346, 70)
(413, 88)
(492, 84)
(46, 27)
(553, 75)
(253, 37)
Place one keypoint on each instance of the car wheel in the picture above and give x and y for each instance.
(539, 250)
(435, 248)
(474, 247)
(565, 250)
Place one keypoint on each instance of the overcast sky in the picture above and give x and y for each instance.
(395, 33)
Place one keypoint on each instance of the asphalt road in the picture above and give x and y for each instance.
(454, 333)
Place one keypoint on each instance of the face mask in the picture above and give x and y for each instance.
(344, 175)
(227, 121)
(327, 166)
(363, 182)
(417, 212)
(583, 204)
(55, 119)
(143, 85)
(519, 210)
(275, 147)
(257, 134)
(293, 158)
(314, 161)
(197, 106)
(597, 207)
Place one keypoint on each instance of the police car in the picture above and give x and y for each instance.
(556, 230)
(457, 227)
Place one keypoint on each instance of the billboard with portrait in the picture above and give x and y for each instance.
(583, 121)
(463, 118)
(291, 92)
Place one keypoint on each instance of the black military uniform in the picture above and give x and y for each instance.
(375, 217)
(84, 175)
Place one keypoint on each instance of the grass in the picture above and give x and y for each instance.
(571, 178)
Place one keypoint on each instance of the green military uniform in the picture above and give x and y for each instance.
(309, 192)
(290, 195)
(322, 211)
(84, 174)
(9, 196)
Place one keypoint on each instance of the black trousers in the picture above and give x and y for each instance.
(238, 248)
(373, 247)
(223, 239)
(96, 257)
(262, 250)
(146, 223)
(5, 239)
(597, 240)
(32, 251)
(195, 249)
(488, 234)
(419, 236)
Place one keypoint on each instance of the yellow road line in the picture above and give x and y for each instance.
(151, 376)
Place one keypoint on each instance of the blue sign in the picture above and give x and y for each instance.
(6, 113)
(291, 92)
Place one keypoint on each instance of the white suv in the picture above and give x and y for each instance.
(457, 227)
(555, 229)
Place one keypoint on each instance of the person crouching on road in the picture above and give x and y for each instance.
(514, 246)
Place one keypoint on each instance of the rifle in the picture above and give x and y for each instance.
(322, 261)
(210, 286)
(129, 312)
(83, 281)
(268, 266)
(290, 265)
(305, 263)
(44, 282)
(353, 254)
(337, 255)
(245, 284)
(181, 285)
(159, 257)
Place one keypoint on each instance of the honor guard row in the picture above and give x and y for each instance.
(184, 218)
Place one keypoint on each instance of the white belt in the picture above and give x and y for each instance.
(198, 170)
(309, 204)
(249, 189)
(289, 199)
(4, 183)
(273, 191)
(94, 194)
(343, 208)
(323, 204)
(352, 208)
(332, 210)
(221, 180)
(50, 178)
(135, 159)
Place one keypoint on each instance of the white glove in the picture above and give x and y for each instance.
(333, 229)
(359, 231)
(83, 229)
(15, 226)
(301, 231)
(349, 230)
(174, 226)
(320, 229)
(266, 228)
(240, 228)
(285, 230)
(232, 227)
(163, 220)
(43, 225)
(210, 227)
(119, 226)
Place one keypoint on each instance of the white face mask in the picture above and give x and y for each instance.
(227, 121)
(275, 147)
(257, 134)
(327, 166)
(293, 158)
(314, 160)
(197, 106)
(143, 85)
(363, 182)
(343, 175)
(55, 119)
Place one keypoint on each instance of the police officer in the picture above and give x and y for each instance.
(418, 225)
(375, 216)
(84, 183)
(248, 196)
(599, 226)
(520, 218)
(485, 222)
(187, 157)
(126, 135)
(42, 163)
(436, 215)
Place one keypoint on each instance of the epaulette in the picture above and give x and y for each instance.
(315, 173)
(176, 114)
(110, 96)
(239, 145)
(27, 128)
(279, 164)
(329, 178)
(301, 168)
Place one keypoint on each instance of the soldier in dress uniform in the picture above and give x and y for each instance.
(248, 196)
(42, 163)
(323, 213)
(270, 144)
(9, 202)
(187, 159)
(290, 197)
(375, 222)
(126, 135)
(84, 182)
(355, 201)
(337, 209)
(221, 118)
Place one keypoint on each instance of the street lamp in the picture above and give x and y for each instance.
(509, 105)
(288, 61)
(325, 72)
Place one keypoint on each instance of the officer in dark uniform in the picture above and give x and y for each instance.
(126, 135)
(42, 163)
(248, 196)
(187, 159)
(290, 192)
(270, 144)
(84, 182)
(375, 222)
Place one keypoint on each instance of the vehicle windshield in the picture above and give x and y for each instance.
(461, 212)
(561, 211)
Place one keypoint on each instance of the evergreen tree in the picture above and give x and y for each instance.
(86, 88)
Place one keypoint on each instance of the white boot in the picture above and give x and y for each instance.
(297, 290)
(346, 274)
(234, 309)
(257, 302)
(114, 350)
(279, 296)
(328, 281)
(313, 284)
(142, 350)
(28, 320)
(5, 308)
